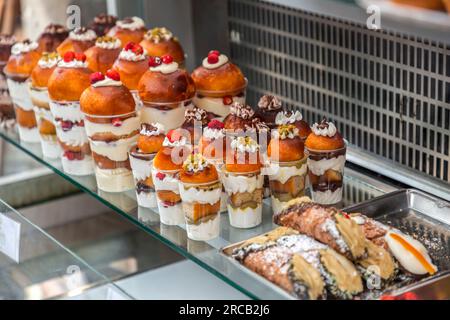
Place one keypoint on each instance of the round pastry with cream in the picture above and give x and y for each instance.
(102, 23)
(101, 57)
(268, 108)
(167, 165)
(78, 41)
(239, 119)
(6, 106)
(166, 91)
(68, 119)
(195, 120)
(41, 102)
(160, 41)
(200, 191)
(112, 125)
(52, 37)
(287, 168)
(242, 179)
(219, 84)
(24, 57)
(130, 29)
(150, 140)
(295, 118)
(326, 151)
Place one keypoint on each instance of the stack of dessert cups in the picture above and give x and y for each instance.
(326, 150)
(166, 91)
(7, 116)
(219, 84)
(24, 57)
(112, 125)
(76, 156)
(150, 141)
(165, 175)
(41, 102)
(129, 29)
(287, 168)
(160, 41)
(200, 191)
(243, 182)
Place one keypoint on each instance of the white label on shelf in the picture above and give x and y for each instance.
(9, 237)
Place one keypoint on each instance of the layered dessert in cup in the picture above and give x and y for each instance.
(101, 56)
(166, 91)
(195, 120)
(242, 179)
(112, 125)
(52, 36)
(165, 175)
(23, 59)
(295, 118)
(200, 191)
(268, 108)
(41, 102)
(131, 64)
(78, 41)
(76, 156)
(130, 29)
(326, 151)
(287, 166)
(7, 117)
(102, 23)
(150, 140)
(219, 84)
(160, 41)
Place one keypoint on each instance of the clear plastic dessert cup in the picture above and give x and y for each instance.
(218, 164)
(7, 116)
(44, 119)
(287, 182)
(137, 99)
(168, 196)
(76, 155)
(110, 139)
(219, 102)
(141, 165)
(201, 206)
(326, 174)
(170, 114)
(245, 194)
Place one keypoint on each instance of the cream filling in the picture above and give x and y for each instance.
(20, 94)
(327, 197)
(241, 183)
(128, 125)
(76, 136)
(216, 105)
(318, 168)
(82, 167)
(115, 150)
(170, 215)
(42, 113)
(69, 111)
(29, 135)
(50, 148)
(169, 182)
(197, 195)
(247, 218)
(165, 68)
(142, 169)
(40, 95)
(170, 119)
(146, 199)
(114, 180)
(204, 231)
(283, 174)
(222, 60)
(107, 82)
(277, 205)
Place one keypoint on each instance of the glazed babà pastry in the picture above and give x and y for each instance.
(101, 56)
(150, 140)
(295, 118)
(130, 29)
(195, 120)
(268, 108)
(41, 102)
(200, 191)
(166, 91)
(6, 106)
(112, 125)
(78, 41)
(102, 23)
(219, 84)
(326, 151)
(23, 59)
(68, 118)
(160, 41)
(52, 37)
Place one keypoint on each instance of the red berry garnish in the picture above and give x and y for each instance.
(387, 297)
(154, 62)
(227, 100)
(116, 122)
(215, 124)
(81, 123)
(160, 176)
(80, 56)
(66, 125)
(69, 56)
(409, 296)
(214, 52)
(213, 59)
(96, 76)
(129, 46)
(173, 135)
(137, 49)
(113, 74)
(167, 204)
(69, 155)
(166, 59)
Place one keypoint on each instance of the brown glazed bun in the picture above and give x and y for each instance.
(240, 117)
(39, 76)
(160, 41)
(122, 31)
(52, 37)
(447, 5)
(227, 79)
(150, 143)
(102, 23)
(131, 71)
(6, 42)
(287, 148)
(101, 59)
(191, 117)
(79, 40)
(320, 142)
(268, 108)
(22, 63)
(426, 4)
(295, 118)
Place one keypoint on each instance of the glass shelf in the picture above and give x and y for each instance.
(357, 188)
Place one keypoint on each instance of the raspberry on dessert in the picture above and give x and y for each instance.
(166, 59)
(66, 125)
(80, 56)
(96, 76)
(227, 100)
(154, 61)
(215, 124)
(213, 58)
(214, 52)
(174, 135)
(113, 74)
(69, 56)
(160, 176)
(129, 46)
(137, 49)
(116, 122)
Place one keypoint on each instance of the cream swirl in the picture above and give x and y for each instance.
(133, 23)
(244, 144)
(288, 117)
(325, 129)
(222, 60)
(129, 55)
(285, 132)
(155, 35)
(24, 47)
(83, 34)
(110, 44)
(165, 68)
(174, 144)
(49, 61)
(241, 110)
(107, 82)
(154, 129)
(195, 163)
(72, 64)
(213, 134)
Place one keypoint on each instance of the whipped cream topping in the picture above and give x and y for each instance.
(195, 114)
(132, 23)
(156, 35)
(165, 68)
(129, 55)
(269, 103)
(153, 129)
(325, 129)
(83, 34)
(7, 40)
(24, 47)
(244, 144)
(288, 117)
(104, 18)
(213, 134)
(177, 143)
(108, 43)
(222, 60)
(72, 64)
(55, 29)
(195, 163)
(107, 82)
(49, 61)
(257, 125)
(241, 110)
(285, 132)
